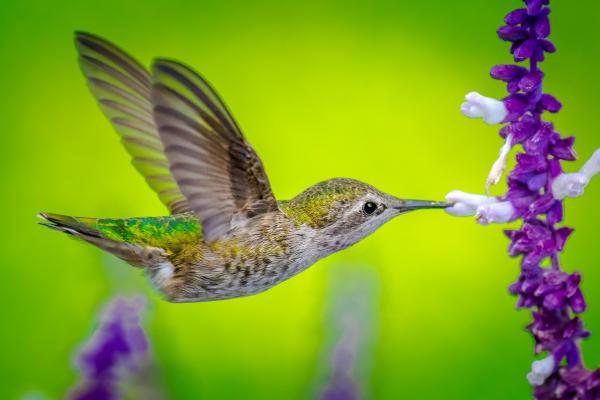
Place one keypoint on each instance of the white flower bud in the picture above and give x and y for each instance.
(499, 165)
(499, 213)
(466, 204)
(541, 370)
(477, 106)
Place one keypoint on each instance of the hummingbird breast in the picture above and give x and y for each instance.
(255, 256)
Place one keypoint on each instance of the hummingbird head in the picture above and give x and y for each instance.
(344, 211)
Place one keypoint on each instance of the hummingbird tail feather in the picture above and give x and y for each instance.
(84, 228)
(70, 225)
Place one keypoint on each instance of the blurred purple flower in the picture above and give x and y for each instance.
(117, 348)
(351, 318)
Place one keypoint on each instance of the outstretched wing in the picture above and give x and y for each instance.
(216, 168)
(122, 88)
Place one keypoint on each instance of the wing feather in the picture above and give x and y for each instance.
(216, 169)
(122, 87)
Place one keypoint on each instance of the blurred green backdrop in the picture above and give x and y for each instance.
(369, 90)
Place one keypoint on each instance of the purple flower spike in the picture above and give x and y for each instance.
(537, 187)
(117, 348)
(350, 316)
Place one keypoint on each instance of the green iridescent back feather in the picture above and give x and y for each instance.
(170, 232)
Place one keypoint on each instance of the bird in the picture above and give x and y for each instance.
(226, 235)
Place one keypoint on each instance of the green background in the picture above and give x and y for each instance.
(369, 90)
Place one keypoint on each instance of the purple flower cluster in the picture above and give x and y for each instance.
(553, 295)
(350, 318)
(118, 346)
(574, 383)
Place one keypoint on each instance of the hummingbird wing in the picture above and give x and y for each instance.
(122, 88)
(217, 170)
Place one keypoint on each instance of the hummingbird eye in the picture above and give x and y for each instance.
(369, 207)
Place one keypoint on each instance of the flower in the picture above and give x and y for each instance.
(572, 185)
(541, 370)
(351, 315)
(487, 209)
(117, 348)
(592, 166)
(477, 106)
(466, 204)
(536, 189)
(500, 212)
(499, 165)
(569, 185)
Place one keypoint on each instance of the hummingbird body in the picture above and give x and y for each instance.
(227, 236)
(256, 255)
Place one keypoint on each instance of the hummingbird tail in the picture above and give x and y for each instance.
(86, 229)
(70, 225)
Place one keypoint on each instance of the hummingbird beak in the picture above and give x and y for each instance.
(404, 206)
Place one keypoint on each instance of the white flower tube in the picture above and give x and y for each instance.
(569, 185)
(477, 106)
(466, 204)
(592, 166)
(487, 209)
(499, 213)
(573, 185)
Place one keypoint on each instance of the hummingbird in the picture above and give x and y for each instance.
(226, 235)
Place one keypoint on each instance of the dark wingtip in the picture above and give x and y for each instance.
(85, 35)
(81, 36)
(91, 40)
